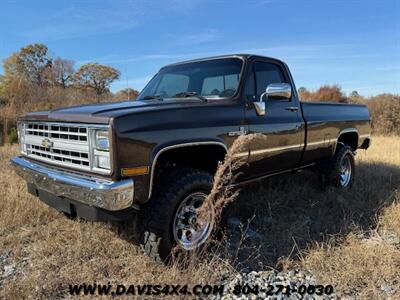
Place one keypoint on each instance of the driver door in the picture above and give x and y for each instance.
(279, 144)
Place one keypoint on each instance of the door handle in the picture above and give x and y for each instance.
(292, 108)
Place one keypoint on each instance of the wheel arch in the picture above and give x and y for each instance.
(215, 149)
(349, 137)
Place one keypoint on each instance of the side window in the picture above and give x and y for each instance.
(172, 84)
(266, 73)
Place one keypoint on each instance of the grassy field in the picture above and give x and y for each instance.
(350, 239)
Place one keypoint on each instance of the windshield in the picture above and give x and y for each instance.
(211, 79)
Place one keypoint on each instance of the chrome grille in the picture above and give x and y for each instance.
(60, 144)
(68, 157)
(58, 131)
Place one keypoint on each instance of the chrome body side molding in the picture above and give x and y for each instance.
(275, 149)
(322, 142)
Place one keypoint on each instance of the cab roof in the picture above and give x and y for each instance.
(242, 56)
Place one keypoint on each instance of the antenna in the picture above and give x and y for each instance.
(127, 86)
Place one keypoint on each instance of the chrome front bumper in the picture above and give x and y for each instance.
(109, 195)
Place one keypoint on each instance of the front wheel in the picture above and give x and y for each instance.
(340, 170)
(171, 217)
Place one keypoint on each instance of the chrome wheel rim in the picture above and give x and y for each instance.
(345, 172)
(189, 231)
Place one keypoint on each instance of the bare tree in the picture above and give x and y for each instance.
(61, 72)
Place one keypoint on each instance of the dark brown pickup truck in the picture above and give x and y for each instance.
(154, 158)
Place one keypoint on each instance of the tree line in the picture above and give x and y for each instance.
(384, 108)
(35, 80)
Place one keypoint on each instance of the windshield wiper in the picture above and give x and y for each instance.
(158, 97)
(191, 94)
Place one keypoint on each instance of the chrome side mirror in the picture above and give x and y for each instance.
(273, 90)
(279, 90)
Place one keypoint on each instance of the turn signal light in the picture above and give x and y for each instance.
(134, 171)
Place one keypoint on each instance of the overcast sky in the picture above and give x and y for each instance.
(353, 43)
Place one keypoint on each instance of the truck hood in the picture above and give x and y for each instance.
(103, 112)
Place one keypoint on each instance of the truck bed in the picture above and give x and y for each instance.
(325, 122)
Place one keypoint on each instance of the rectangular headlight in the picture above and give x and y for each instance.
(102, 140)
(100, 150)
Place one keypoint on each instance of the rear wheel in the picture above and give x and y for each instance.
(340, 170)
(346, 172)
(171, 217)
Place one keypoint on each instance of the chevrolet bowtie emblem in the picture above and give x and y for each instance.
(47, 143)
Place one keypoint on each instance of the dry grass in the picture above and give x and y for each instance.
(348, 239)
(50, 251)
(366, 262)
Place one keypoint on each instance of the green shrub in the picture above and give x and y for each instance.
(13, 136)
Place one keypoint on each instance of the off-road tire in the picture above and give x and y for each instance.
(330, 171)
(156, 216)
